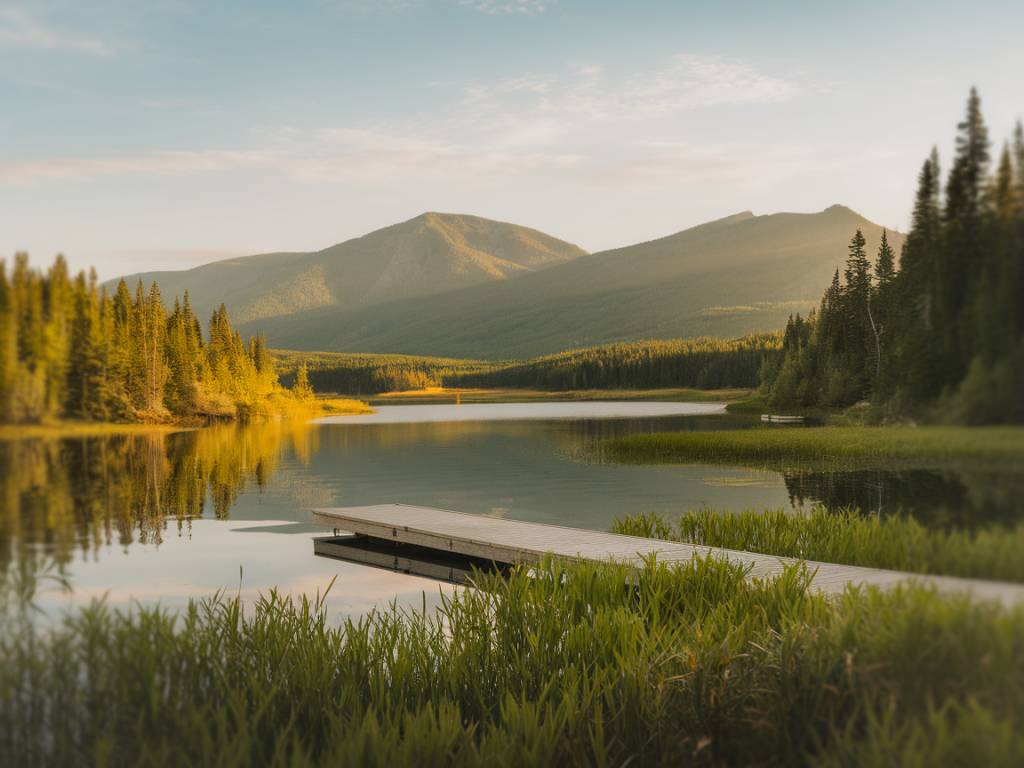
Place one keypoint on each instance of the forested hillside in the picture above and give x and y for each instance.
(727, 278)
(700, 363)
(942, 334)
(359, 374)
(68, 349)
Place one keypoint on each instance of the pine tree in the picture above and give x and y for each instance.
(881, 302)
(1018, 161)
(301, 389)
(1003, 202)
(179, 391)
(963, 255)
(967, 178)
(119, 321)
(155, 360)
(57, 310)
(885, 264)
(8, 346)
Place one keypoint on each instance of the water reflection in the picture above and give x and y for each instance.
(962, 498)
(198, 503)
(212, 556)
(59, 496)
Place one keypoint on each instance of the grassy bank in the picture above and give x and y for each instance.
(272, 408)
(696, 666)
(895, 542)
(781, 447)
(508, 395)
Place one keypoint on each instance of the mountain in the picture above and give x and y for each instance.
(736, 275)
(427, 255)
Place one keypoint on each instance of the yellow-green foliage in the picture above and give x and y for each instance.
(846, 536)
(121, 486)
(69, 350)
(363, 373)
(695, 665)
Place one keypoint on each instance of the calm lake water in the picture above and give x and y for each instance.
(164, 518)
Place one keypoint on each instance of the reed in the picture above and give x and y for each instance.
(694, 665)
(847, 536)
(847, 446)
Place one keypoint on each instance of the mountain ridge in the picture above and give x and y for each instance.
(428, 254)
(739, 274)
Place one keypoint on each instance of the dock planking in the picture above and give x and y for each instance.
(516, 541)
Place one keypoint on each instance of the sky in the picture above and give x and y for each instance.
(170, 133)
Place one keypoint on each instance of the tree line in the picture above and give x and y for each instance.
(70, 349)
(357, 373)
(941, 333)
(703, 363)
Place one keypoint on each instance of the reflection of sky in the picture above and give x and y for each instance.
(595, 409)
(538, 470)
(206, 556)
(522, 469)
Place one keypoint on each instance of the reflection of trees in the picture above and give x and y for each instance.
(57, 496)
(947, 497)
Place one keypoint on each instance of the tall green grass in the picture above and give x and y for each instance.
(846, 536)
(564, 666)
(826, 446)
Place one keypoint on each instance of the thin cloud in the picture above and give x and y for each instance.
(368, 7)
(582, 123)
(19, 28)
(179, 163)
(685, 82)
(508, 7)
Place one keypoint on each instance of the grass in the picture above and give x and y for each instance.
(510, 395)
(783, 447)
(895, 542)
(341, 406)
(273, 407)
(560, 666)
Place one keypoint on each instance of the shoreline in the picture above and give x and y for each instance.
(74, 429)
(436, 395)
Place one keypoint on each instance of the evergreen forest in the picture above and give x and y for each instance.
(937, 333)
(68, 350)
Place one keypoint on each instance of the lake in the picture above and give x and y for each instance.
(167, 517)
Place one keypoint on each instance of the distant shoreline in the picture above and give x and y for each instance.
(511, 395)
(72, 429)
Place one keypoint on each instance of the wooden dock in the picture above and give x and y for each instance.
(488, 539)
(772, 418)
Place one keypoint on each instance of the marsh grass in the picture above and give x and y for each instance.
(828, 447)
(846, 536)
(694, 665)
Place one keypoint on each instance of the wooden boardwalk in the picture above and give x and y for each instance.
(515, 541)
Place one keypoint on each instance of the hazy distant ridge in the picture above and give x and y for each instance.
(736, 275)
(430, 254)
